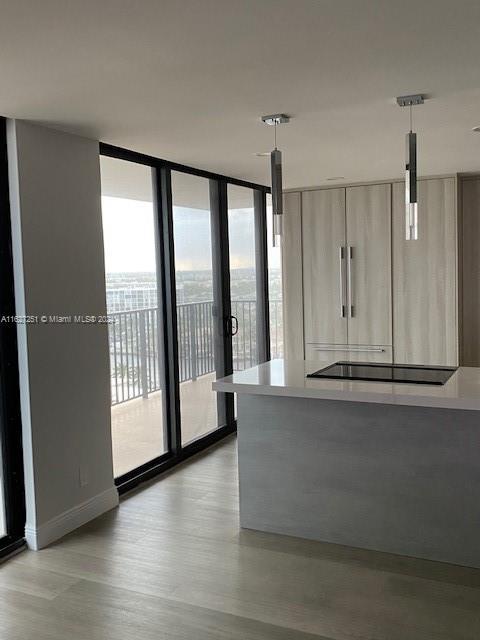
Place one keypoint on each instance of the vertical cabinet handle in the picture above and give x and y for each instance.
(350, 282)
(341, 270)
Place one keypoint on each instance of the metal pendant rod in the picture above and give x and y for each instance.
(276, 173)
(411, 195)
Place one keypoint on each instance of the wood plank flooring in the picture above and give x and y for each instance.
(171, 563)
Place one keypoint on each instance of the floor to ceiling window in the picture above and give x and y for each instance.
(12, 496)
(274, 288)
(197, 306)
(3, 523)
(243, 276)
(130, 233)
(187, 299)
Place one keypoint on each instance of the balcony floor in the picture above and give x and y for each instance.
(137, 431)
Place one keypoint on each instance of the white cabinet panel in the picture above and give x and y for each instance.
(324, 269)
(425, 305)
(368, 215)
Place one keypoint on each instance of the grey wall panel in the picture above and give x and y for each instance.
(64, 367)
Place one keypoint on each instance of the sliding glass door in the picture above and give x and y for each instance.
(248, 278)
(132, 272)
(187, 301)
(243, 276)
(198, 307)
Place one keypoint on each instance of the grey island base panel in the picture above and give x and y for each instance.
(398, 479)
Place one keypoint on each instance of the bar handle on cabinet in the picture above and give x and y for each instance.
(352, 349)
(341, 269)
(350, 281)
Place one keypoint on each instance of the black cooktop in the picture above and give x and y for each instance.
(384, 372)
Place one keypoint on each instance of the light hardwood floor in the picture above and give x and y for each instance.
(171, 563)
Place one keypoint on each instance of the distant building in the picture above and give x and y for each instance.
(131, 291)
(130, 299)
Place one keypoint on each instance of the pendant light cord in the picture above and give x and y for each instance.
(411, 119)
(275, 134)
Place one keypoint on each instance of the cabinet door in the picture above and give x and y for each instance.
(324, 266)
(369, 264)
(425, 277)
(292, 276)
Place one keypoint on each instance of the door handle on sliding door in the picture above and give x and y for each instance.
(231, 324)
(341, 270)
(233, 319)
(350, 281)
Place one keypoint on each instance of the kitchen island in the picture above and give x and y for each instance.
(391, 467)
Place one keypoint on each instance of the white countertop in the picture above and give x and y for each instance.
(287, 378)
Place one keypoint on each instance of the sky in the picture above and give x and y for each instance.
(129, 237)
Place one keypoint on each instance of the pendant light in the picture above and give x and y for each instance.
(276, 173)
(411, 195)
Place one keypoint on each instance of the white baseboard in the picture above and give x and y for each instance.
(39, 537)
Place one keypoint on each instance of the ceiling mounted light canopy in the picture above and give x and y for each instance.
(411, 195)
(276, 172)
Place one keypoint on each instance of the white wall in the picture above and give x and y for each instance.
(64, 369)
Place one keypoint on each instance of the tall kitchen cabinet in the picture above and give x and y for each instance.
(356, 289)
(425, 296)
(346, 264)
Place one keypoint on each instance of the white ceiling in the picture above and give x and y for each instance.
(122, 179)
(187, 80)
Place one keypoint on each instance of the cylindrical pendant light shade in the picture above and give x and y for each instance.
(276, 169)
(411, 221)
(277, 194)
(277, 229)
(411, 197)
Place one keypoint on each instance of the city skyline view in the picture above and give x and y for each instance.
(132, 286)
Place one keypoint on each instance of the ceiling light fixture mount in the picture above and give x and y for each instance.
(411, 197)
(276, 169)
(276, 118)
(411, 101)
